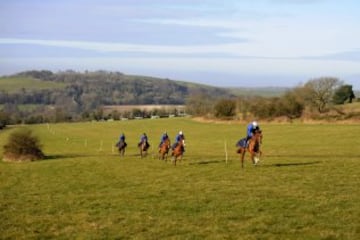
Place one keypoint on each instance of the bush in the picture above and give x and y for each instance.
(225, 108)
(22, 146)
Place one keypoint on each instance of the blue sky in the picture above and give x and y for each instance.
(221, 43)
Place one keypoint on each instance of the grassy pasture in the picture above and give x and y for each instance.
(15, 84)
(307, 186)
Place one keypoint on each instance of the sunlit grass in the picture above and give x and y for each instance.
(16, 84)
(307, 186)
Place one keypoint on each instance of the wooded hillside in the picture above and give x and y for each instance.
(90, 89)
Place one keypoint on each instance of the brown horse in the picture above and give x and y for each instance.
(121, 145)
(164, 149)
(178, 151)
(143, 147)
(253, 148)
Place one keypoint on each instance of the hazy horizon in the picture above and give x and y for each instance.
(278, 43)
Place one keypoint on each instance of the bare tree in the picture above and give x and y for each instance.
(319, 91)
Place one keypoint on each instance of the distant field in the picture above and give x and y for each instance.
(14, 84)
(149, 107)
(307, 186)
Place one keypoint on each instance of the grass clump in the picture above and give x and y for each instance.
(22, 146)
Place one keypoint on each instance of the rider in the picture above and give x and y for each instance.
(178, 138)
(143, 139)
(121, 139)
(251, 128)
(163, 138)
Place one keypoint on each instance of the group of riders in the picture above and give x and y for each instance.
(145, 141)
(251, 129)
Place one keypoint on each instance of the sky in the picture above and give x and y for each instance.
(230, 43)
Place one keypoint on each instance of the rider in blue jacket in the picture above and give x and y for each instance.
(251, 129)
(144, 138)
(163, 138)
(122, 138)
(178, 138)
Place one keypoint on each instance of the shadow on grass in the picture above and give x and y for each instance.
(293, 164)
(206, 162)
(310, 155)
(64, 156)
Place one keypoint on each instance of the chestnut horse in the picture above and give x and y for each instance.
(164, 149)
(178, 151)
(143, 147)
(253, 148)
(121, 145)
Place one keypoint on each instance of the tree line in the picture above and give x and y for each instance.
(314, 99)
(85, 95)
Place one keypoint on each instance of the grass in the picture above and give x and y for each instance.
(16, 84)
(307, 186)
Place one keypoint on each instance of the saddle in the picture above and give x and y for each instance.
(242, 143)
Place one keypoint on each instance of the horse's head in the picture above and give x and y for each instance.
(258, 136)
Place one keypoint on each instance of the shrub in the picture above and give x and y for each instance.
(22, 146)
(225, 108)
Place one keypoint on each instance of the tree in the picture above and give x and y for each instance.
(225, 108)
(343, 93)
(319, 92)
(291, 105)
(199, 104)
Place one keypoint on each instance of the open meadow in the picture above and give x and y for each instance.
(307, 185)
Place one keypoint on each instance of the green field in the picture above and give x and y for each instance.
(16, 84)
(306, 187)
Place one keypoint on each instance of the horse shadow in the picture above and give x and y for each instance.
(207, 162)
(295, 164)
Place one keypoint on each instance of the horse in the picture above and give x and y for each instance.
(178, 151)
(164, 149)
(253, 148)
(121, 145)
(143, 147)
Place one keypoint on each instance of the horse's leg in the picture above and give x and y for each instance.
(252, 155)
(242, 157)
(166, 155)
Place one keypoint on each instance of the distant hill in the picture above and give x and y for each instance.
(108, 88)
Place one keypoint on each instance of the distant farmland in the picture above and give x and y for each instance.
(148, 108)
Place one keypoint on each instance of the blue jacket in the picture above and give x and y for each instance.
(122, 138)
(164, 137)
(250, 130)
(143, 138)
(179, 137)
